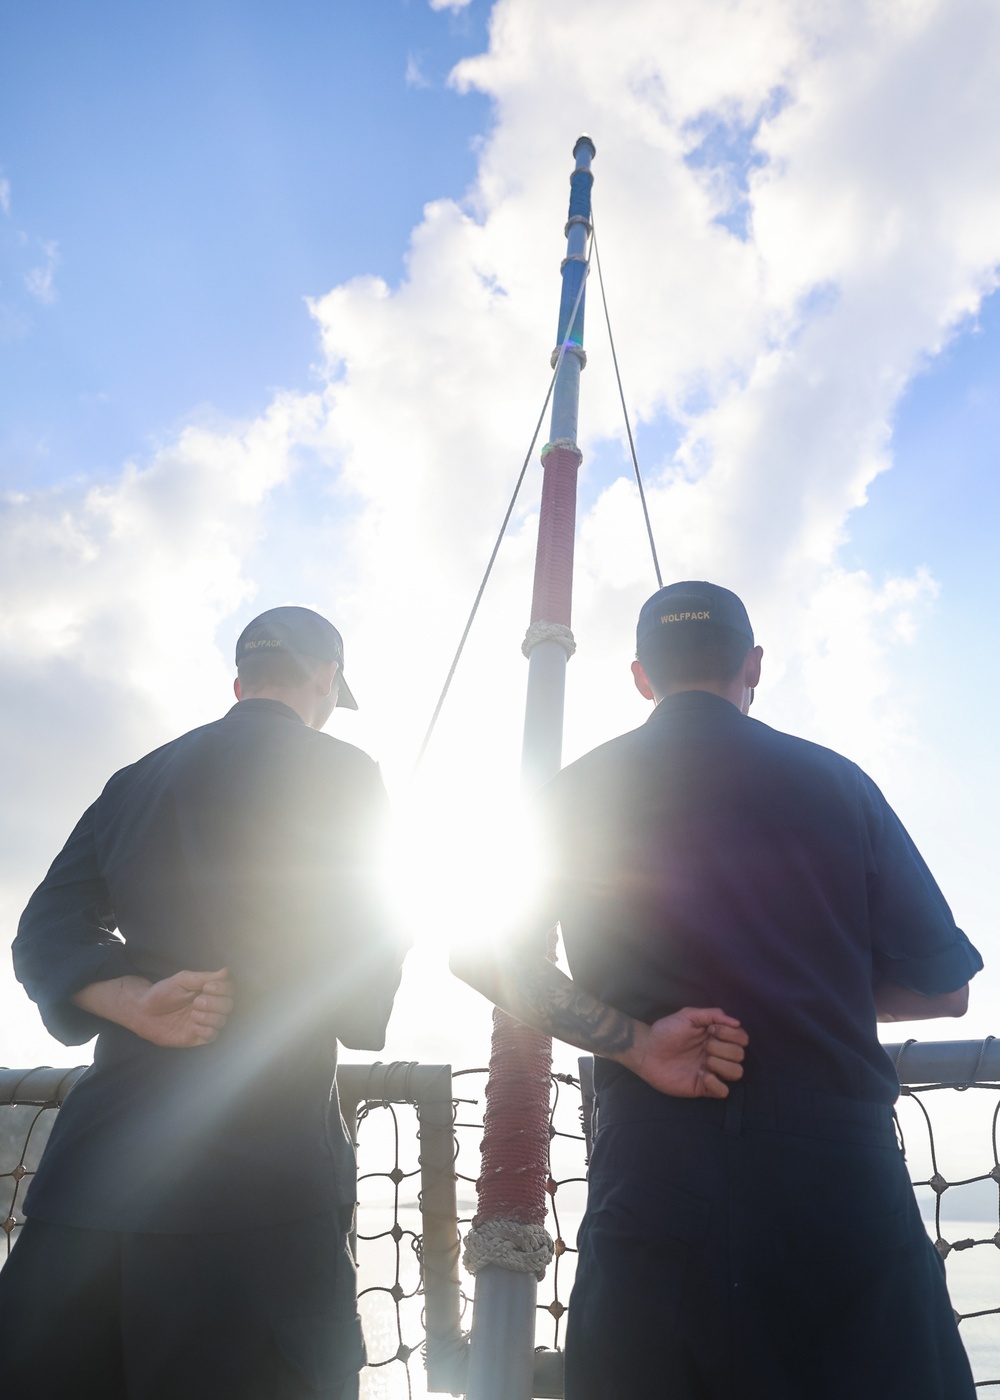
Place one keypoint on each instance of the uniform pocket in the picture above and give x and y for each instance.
(648, 1209)
(323, 1350)
(313, 1318)
(845, 1201)
(639, 1244)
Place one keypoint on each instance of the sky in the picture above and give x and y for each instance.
(278, 290)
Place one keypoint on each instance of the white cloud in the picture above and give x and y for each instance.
(454, 5)
(4, 194)
(40, 280)
(414, 75)
(782, 355)
(113, 594)
(845, 143)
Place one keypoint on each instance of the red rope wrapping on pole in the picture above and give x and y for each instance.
(552, 596)
(515, 1162)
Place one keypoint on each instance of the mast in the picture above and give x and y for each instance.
(508, 1245)
(549, 642)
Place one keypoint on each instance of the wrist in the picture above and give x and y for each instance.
(632, 1057)
(133, 992)
(118, 1000)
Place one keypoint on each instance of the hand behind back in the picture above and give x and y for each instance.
(184, 1011)
(692, 1053)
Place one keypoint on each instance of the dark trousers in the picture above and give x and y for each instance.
(262, 1314)
(733, 1250)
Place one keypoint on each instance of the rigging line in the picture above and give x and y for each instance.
(621, 394)
(506, 520)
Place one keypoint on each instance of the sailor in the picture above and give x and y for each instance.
(765, 1244)
(186, 1232)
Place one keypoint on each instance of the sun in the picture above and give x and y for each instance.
(454, 873)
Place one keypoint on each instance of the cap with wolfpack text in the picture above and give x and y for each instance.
(692, 602)
(299, 632)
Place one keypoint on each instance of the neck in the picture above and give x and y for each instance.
(313, 701)
(312, 710)
(734, 691)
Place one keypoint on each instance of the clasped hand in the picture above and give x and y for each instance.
(183, 1011)
(691, 1054)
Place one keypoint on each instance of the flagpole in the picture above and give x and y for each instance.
(508, 1244)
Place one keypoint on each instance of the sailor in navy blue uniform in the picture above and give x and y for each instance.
(186, 1229)
(765, 1244)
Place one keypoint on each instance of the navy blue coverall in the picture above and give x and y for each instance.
(186, 1228)
(767, 1246)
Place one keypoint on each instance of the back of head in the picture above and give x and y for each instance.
(283, 648)
(692, 632)
(274, 670)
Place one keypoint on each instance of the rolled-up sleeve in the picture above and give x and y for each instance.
(323, 875)
(66, 938)
(915, 941)
(373, 945)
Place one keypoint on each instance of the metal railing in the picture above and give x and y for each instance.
(426, 1123)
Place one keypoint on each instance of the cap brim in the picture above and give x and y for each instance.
(345, 697)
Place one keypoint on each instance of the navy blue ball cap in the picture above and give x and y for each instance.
(690, 603)
(301, 633)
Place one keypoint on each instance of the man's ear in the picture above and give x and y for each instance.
(237, 689)
(325, 677)
(642, 684)
(751, 668)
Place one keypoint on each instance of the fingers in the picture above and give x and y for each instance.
(713, 1088)
(211, 991)
(220, 1005)
(705, 1016)
(734, 1035)
(215, 990)
(218, 983)
(180, 1037)
(725, 1049)
(210, 1010)
(208, 1020)
(190, 1008)
(193, 1039)
(205, 981)
(723, 1069)
(187, 980)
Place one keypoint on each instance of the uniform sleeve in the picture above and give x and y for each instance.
(915, 941)
(66, 938)
(369, 943)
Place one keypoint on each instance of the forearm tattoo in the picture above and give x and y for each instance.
(541, 996)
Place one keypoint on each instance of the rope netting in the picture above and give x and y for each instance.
(392, 1282)
(963, 1206)
(951, 1143)
(24, 1131)
(392, 1286)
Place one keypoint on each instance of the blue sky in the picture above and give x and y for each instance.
(942, 500)
(201, 168)
(278, 286)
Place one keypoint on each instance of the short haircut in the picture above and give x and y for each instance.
(262, 670)
(689, 652)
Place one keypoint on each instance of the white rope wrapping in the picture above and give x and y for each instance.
(576, 350)
(548, 632)
(562, 445)
(510, 1244)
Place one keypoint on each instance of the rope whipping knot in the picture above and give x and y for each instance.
(548, 632)
(510, 1244)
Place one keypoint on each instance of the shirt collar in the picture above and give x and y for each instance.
(694, 702)
(260, 706)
